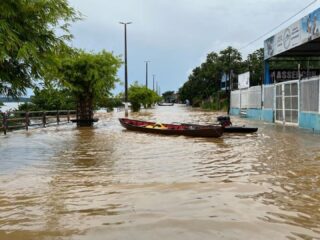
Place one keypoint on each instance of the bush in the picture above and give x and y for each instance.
(217, 103)
(196, 102)
(109, 103)
(140, 95)
(49, 98)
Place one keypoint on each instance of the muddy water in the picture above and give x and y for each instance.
(108, 183)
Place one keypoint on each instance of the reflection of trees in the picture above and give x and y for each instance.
(77, 191)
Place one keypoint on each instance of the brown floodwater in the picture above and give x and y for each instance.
(108, 183)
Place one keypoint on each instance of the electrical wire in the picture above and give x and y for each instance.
(313, 2)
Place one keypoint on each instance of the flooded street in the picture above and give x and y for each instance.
(108, 183)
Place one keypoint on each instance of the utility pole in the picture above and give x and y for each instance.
(125, 68)
(229, 90)
(147, 73)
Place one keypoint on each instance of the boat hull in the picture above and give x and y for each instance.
(239, 129)
(172, 129)
(232, 129)
(165, 104)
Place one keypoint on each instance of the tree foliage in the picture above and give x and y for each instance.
(89, 73)
(109, 102)
(89, 77)
(140, 95)
(168, 96)
(50, 98)
(254, 64)
(29, 39)
(204, 81)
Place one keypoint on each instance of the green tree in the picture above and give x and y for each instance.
(230, 62)
(254, 64)
(50, 98)
(203, 82)
(89, 77)
(168, 95)
(140, 95)
(110, 102)
(29, 39)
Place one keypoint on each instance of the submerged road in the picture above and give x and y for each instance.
(108, 183)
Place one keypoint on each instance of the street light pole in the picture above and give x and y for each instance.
(125, 68)
(153, 82)
(147, 73)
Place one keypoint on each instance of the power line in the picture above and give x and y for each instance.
(313, 2)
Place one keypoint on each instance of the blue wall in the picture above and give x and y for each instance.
(234, 111)
(257, 114)
(309, 121)
(306, 120)
(267, 115)
(254, 113)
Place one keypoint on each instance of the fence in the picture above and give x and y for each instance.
(298, 98)
(309, 95)
(268, 96)
(19, 119)
(248, 98)
(251, 98)
(235, 99)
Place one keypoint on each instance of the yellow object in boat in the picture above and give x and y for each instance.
(159, 126)
(149, 126)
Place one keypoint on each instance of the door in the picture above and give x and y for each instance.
(287, 103)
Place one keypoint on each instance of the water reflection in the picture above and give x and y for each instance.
(78, 190)
(293, 166)
(68, 183)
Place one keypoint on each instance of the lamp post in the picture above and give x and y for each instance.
(147, 73)
(153, 82)
(125, 68)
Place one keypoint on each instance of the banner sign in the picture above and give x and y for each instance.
(287, 75)
(224, 83)
(244, 80)
(298, 33)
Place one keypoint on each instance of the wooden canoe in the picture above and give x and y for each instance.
(172, 129)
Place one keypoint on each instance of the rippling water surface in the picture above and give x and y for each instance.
(108, 183)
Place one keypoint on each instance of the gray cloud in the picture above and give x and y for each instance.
(176, 35)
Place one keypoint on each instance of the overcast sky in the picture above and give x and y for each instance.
(176, 35)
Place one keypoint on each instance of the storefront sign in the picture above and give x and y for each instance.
(286, 75)
(298, 33)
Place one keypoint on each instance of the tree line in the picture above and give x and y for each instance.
(204, 83)
(203, 86)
